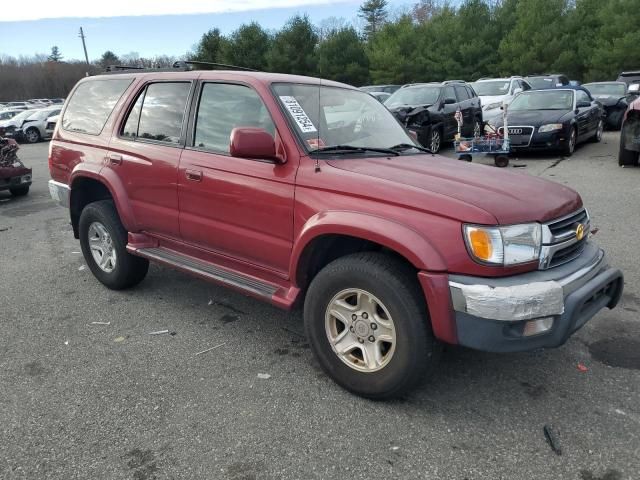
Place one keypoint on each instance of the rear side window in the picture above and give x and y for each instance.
(449, 92)
(158, 113)
(92, 103)
(462, 93)
(224, 107)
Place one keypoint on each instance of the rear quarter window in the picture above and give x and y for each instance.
(92, 103)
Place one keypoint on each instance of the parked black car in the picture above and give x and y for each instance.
(548, 80)
(614, 99)
(555, 119)
(629, 77)
(429, 109)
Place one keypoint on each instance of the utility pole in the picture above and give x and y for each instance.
(84, 45)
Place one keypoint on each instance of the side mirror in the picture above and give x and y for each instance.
(251, 142)
(517, 90)
(449, 101)
(634, 88)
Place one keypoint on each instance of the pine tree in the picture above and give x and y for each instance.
(55, 56)
(374, 12)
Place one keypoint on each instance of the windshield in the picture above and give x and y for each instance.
(549, 100)
(328, 116)
(491, 88)
(42, 114)
(541, 82)
(422, 95)
(613, 89)
(22, 116)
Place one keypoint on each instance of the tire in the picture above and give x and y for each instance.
(501, 161)
(19, 191)
(435, 140)
(627, 158)
(124, 270)
(391, 285)
(466, 157)
(597, 136)
(32, 135)
(570, 143)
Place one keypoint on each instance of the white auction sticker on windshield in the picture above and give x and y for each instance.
(298, 114)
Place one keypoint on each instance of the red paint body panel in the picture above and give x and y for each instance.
(257, 218)
(436, 291)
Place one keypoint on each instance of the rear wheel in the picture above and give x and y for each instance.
(570, 143)
(367, 323)
(103, 239)
(627, 157)
(597, 136)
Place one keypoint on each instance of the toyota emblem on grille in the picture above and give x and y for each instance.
(515, 131)
(580, 232)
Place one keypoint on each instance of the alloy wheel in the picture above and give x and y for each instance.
(360, 330)
(435, 141)
(102, 249)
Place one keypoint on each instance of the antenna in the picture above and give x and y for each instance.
(84, 45)
(317, 162)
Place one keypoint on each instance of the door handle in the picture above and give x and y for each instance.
(193, 175)
(115, 159)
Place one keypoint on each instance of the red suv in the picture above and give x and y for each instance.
(296, 190)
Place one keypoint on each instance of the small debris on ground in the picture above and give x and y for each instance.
(209, 349)
(210, 302)
(264, 376)
(118, 339)
(100, 323)
(82, 267)
(519, 165)
(595, 230)
(4, 229)
(582, 367)
(394, 448)
(159, 332)
(75, 252)
(552, 439)
(66, 342)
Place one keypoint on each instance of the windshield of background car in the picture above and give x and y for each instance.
(548, 100)
(22, 116)
(413, 96)
(325, 116)
(541, 82)
(613, 89)
(491, 88)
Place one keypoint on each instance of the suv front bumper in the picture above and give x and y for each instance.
(533, 310)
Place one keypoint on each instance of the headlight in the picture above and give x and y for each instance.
(491, 106)
(550, 127)
(510, 245)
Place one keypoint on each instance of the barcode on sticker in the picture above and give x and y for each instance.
(298, 114)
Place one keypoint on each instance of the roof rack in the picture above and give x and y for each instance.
(180, 65)
(446, 82)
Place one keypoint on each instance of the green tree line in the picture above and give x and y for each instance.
(435, 40)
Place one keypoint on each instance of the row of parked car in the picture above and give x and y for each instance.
(543, 112)
(29, 121)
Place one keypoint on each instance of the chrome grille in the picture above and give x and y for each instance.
(560, 243)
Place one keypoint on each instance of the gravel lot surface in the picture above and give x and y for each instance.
(109, 401)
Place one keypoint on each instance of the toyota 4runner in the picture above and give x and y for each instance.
(238, 178)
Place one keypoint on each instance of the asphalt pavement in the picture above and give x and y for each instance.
(86, 392)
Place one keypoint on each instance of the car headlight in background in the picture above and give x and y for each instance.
(550, 127)
(510, 245)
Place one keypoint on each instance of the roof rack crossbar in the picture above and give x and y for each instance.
(225, 66)
(183, 65)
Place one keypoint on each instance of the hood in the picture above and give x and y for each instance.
(487, 99)
(510, 197)
(534, 117)
(404, 111)
(610, 100)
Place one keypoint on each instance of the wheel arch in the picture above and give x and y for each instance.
(87, 187)
(329, 235)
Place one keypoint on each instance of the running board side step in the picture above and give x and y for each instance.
(209, 271)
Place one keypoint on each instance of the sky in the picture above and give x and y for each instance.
(173, 28)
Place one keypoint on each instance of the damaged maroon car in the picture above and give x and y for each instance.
(14, 176)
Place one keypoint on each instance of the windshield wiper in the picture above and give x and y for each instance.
(340, 149)
(406, 146)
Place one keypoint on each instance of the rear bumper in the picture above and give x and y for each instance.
(538, 309)
(60, 193)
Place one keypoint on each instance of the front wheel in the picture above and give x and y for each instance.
(32, 135)
(19, 191)
(368, 326)
(435, 140)
(103, 240)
